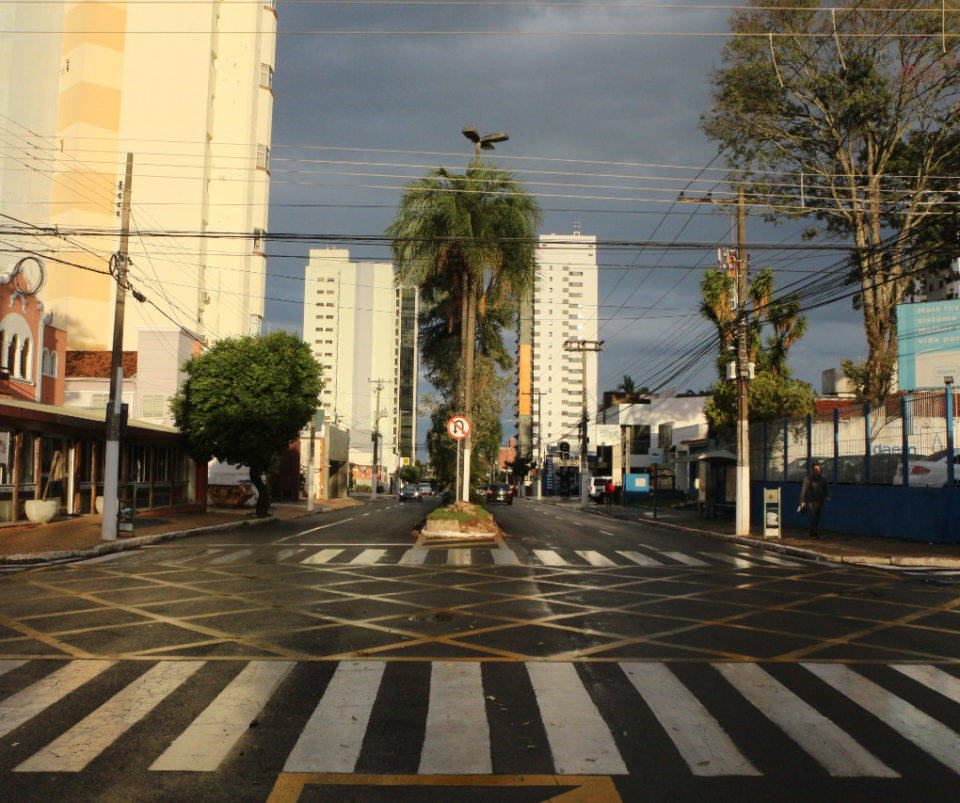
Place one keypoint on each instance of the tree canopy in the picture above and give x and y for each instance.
(850, 116)
(246, 399)
(467, 241)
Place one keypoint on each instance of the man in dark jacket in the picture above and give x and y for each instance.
(815, 491)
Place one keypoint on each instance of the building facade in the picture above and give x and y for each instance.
(564, 314)
(363, 331)
(187, 90)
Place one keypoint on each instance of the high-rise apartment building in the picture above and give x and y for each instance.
(564, 311)
(186, 88)
(363, 331)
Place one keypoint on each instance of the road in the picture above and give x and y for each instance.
(575, 657)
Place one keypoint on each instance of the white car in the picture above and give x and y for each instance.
(930, 470)
(597, 486)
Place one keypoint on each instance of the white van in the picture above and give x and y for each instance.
(597, 484)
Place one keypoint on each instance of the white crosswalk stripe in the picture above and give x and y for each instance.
(457, 733)
(640, 559)
(368, 557)
(323, 556)
(704, 745)
(595, 558)
(549, 557)
(909, 721)
(333, 736)
(833, 749)
(76, 748)
(203, 745)
(687, 560)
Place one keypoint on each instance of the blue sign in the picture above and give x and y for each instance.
(929, 343)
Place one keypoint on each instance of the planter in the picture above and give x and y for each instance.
(41, 510)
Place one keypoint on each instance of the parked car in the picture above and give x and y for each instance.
(930, 470)
(426, 489)
(500, 492)
(409, 493)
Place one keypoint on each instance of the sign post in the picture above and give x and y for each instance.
(459, 427)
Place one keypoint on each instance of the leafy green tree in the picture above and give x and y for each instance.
(627, 385)
(468, 240)
(851, 117)
(773, 393)
(245, 400)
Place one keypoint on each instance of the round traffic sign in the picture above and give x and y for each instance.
(458, 427)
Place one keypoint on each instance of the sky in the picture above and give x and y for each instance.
(602, 104)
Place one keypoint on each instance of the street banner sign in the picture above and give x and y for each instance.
(458, 427)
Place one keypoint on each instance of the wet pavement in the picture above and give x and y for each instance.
(77, 537)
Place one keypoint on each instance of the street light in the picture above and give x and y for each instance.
(484, 143)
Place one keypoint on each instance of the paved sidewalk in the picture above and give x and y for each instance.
(79, 536)
(841, 547)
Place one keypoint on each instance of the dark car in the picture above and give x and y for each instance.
(411, 492)
(500, 492)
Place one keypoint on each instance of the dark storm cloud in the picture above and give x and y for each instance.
(631, 101)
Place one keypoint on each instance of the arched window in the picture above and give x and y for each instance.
(13, 351)
(54, 363)
(25, 361)
(45, 363)
(4, 365)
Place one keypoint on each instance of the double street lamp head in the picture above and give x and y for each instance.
(485, 142)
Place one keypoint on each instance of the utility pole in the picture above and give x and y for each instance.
(742, 364)
(743, 424)
(376, 443)
(111, 468)
(583, 346)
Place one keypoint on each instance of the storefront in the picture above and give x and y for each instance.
(57, 453)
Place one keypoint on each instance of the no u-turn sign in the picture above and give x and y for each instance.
(458, 427)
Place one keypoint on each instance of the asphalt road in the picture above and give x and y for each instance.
(339, 657)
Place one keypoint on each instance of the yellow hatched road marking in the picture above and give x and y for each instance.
(586, 788)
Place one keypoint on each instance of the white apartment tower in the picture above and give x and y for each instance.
(186, 88)
(362, 329)
(564, 311)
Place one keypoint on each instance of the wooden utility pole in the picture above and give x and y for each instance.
(374, 472)
(119, 264)
(583, 346)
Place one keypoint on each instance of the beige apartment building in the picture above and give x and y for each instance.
(187, 89)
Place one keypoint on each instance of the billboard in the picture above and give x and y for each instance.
(928, 335)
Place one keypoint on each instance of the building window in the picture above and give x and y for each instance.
(266, 76)
(153, 406)
(98, 401)
(263, 156)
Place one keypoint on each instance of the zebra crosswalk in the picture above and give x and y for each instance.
(500, 555)
(579, 711)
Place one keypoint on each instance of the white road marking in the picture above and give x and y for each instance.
(777, 561)
(323, 556)
(9, 664)
(313, 530)
(459, 557)
(740, 563)
(76, 748)
(332, 738)
(550, 558)
(594, 558)
(909, 721)
(640, 558)
(283, 554)
(687, 560)
(414, 557)
(941, 682)
(699, 738)
(457, 739)
(605, 532)
(211, 736)
(233, 557)
(580, 741)
(834, 749)
(369, 557)
(502, 556)
(26, 704)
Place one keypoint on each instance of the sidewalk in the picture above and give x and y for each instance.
(840, 547)
(79, 536)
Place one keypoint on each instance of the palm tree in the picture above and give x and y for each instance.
(473, 236)
(627, 386)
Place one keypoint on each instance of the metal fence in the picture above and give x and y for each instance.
(904, 441)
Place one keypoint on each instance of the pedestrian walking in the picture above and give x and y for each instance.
(608, 491)
(815, 491)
